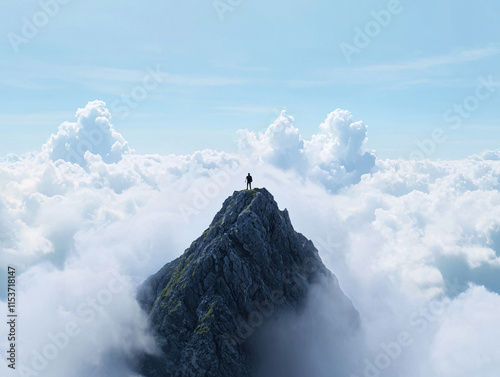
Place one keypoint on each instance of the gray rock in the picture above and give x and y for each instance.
(249, 267)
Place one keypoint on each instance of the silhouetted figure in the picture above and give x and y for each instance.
(249, 180)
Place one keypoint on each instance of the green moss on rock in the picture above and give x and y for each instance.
(173, 309)
(217, 224)
(252, 192)
(202, 327)
(178, 275)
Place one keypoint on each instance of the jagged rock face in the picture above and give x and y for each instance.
(205, 307)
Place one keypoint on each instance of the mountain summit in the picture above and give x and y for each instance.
(211, 308)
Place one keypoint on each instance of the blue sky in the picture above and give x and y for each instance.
(220, 75)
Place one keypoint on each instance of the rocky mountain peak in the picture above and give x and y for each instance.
(207, 307)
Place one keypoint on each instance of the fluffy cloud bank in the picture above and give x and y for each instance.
(335, 156)
(91, 132)
(416, 246)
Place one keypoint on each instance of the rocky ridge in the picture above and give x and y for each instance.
(206, 306)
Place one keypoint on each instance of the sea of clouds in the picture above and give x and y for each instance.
(415, 245)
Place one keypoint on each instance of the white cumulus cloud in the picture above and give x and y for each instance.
(335, 156)
(91, 132)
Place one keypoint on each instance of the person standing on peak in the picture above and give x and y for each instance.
(249, 180)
